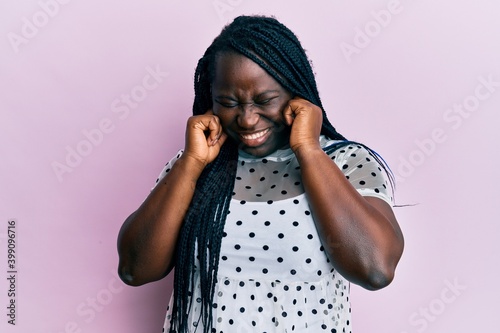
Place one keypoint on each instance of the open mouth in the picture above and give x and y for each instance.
(255, 139)
(254, 136)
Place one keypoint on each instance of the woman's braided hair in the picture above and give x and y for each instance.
(277, 50)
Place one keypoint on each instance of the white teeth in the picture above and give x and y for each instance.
(255, 135)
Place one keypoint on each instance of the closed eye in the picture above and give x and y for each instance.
(227, 104)
(265, 101)
(232, 104)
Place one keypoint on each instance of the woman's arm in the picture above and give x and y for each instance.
(148, 237)
(360, 234)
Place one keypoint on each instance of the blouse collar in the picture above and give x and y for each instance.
(277, 156)
(280, 154)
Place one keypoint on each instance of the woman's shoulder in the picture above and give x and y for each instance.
(168, 166)
(363, 167)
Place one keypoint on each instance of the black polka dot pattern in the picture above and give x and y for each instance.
(273, 274)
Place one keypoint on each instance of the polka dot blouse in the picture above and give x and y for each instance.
(274, 275)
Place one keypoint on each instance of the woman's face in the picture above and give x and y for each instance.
(250, 104)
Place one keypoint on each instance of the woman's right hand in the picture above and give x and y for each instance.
(148, 237)
(204, 138)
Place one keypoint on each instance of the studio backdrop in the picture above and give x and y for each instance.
(94, 98)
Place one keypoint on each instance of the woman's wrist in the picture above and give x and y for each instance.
(190, 165)
(306, 152)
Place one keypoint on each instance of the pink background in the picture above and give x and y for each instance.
(63, 81)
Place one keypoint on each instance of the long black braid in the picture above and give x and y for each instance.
(276, 49)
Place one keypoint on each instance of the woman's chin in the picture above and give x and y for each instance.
(262, 150)
(255, 152)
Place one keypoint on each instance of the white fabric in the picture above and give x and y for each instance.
(273, 274)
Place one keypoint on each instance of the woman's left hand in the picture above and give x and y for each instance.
(360, 235)
(306, 119)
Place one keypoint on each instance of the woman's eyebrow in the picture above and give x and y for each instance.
(225, 97)
(267, 92)
(271, 91)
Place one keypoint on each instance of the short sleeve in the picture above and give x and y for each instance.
(363, 171)
(166, 169)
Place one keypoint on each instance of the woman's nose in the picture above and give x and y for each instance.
(248, 117)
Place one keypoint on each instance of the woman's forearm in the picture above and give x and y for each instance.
(360, 234)
(148, 237)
